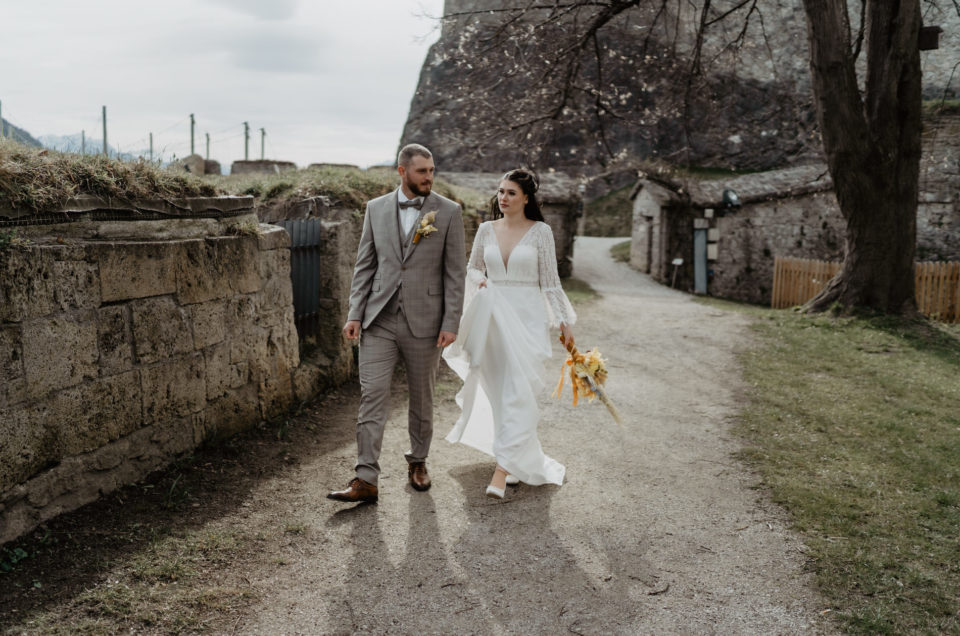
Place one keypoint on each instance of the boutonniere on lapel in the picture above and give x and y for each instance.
(426, 226)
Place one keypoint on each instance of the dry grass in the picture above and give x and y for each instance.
(36, 179)
(39, 180)
(854, 425)
(621, 252)
(344, 186)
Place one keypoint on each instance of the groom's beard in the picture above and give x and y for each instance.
(421, 189)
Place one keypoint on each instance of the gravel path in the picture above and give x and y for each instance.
(656, 531)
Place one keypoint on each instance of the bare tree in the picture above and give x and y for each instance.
(870, 125)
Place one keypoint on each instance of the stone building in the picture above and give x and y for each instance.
(788, 213)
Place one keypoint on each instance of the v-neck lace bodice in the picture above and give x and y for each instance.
(532, 263)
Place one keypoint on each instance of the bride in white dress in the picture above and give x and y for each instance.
(513, 297)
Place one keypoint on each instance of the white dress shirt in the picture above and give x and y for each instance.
(408, 216)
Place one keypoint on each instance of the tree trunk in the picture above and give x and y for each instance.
(872, 146)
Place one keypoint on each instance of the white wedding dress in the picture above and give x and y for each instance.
(500, 349)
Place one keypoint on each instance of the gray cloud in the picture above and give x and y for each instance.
(276, 50)
(265, 9)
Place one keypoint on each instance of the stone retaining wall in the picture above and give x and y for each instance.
(118, 355)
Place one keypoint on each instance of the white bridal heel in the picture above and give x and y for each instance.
(493, 491)
(512, 481)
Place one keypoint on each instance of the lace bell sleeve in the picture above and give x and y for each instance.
(559, 309)
(476, 266)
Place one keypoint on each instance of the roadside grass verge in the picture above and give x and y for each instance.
(621, 252)
(578, 291)
(854, 426)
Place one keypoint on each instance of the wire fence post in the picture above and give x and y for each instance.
(105, 153)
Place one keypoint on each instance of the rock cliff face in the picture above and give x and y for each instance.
(751, 109)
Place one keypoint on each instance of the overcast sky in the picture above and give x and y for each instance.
(329, 80)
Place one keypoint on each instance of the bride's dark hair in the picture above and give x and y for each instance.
(529, 183)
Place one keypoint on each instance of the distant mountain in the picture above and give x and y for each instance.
(19, 134)
(91, 146)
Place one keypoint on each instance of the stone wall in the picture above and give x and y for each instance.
(265, 166)
(118, 354)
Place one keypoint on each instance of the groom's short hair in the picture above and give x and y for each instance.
(410, 151)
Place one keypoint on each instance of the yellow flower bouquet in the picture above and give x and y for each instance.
(587, 372)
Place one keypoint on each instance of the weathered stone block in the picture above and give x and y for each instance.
(272, 237)
(223, 375)
(137, 270)
(114, 339)
(277, 293)
(99, 412)
(13, 392)
(26, 444)
(276, 395)
(59, 352)
(11, 353)
(160, 329)
(240, 314)
(274, 265)
(216, 267)
(26, 283)
(234, 412)
(208, 323)
(76, 285)
(173, 389)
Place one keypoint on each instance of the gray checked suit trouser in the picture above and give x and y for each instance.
(385, 340)
(389, 336)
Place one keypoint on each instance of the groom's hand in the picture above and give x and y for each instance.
(352, 329)
(445, 338)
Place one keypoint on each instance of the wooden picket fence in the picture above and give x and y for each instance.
(797, 280)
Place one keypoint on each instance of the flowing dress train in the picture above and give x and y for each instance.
(500, 349)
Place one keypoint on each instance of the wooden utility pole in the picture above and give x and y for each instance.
(246, 141)
(151, 146)
(263, 138)
(2, 132)
(208, 146)
(105, 154)
(193, 125)
(83, 142)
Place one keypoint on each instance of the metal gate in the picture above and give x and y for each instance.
(305, 235)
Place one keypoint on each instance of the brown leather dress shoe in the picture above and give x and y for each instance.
(357, 490)
(419, 478)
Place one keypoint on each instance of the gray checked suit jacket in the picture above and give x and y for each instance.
(432, 273)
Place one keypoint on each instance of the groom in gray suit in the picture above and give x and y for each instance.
(406, 297)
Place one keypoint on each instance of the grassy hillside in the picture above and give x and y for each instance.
(345, 186)
(609, 215)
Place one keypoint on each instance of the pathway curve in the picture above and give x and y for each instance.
(656, 531)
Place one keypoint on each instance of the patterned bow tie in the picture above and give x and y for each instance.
(412, 203)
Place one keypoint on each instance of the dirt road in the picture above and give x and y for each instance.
(656, 530)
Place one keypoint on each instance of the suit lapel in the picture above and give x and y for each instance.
(393, 224)
(430, 204)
